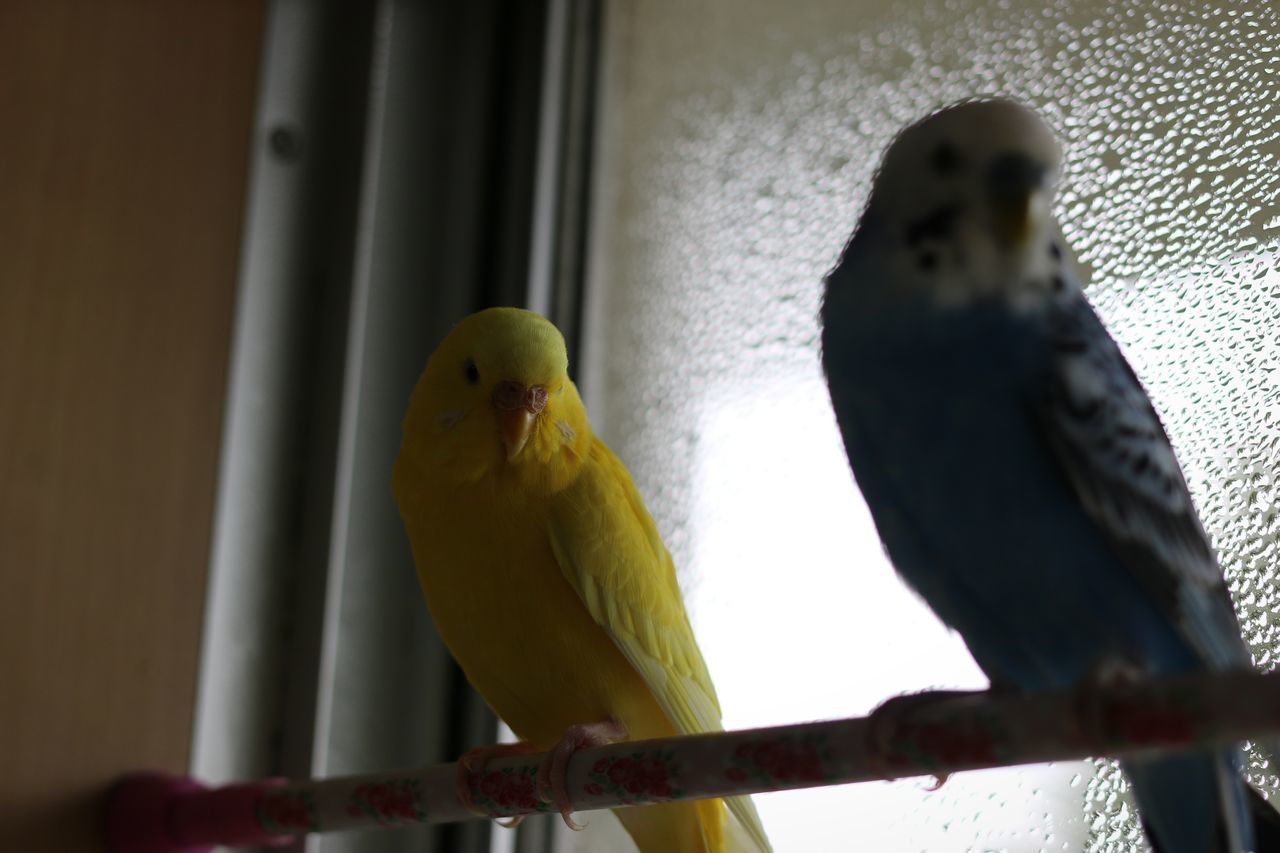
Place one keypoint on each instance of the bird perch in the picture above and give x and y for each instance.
(924, 734)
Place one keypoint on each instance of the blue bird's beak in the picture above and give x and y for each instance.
(1019, 198)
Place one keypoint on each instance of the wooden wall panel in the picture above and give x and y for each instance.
(124, 139)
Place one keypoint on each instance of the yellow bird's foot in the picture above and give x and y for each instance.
(551, 776)
(473, 762)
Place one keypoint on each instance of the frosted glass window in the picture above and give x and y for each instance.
(739, 140)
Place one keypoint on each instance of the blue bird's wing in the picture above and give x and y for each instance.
(1117, 457)
(1114, 452)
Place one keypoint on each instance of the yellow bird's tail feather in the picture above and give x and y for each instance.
(711, 820)
(693, 827)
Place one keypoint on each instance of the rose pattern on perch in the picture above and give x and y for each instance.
(507, 792)
(391, 802)
(641, 777)
(288, 812)
(933, 744)
(781, 760)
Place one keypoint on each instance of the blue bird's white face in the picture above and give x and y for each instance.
(962, 203)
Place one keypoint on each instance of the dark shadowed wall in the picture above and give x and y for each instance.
(124, 136)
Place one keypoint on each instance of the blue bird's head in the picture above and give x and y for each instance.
(961, 204)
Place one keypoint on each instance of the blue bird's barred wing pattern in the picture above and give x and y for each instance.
(1118, 459)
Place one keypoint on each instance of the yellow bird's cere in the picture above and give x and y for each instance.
(544, 573)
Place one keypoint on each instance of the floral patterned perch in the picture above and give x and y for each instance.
(921, 734)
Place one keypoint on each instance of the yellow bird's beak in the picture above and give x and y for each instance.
(516, 425)
(1019, 198)
(518, 408)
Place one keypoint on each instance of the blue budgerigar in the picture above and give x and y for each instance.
(1014, 466)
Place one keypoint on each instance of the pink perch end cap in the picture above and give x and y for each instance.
(158, 813)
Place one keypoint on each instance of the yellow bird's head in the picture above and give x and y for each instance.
(496, 398)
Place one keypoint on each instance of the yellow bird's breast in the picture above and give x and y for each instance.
(514, 623)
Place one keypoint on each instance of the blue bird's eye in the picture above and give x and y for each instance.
(946, 159)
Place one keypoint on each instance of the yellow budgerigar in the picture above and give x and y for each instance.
(544, 572)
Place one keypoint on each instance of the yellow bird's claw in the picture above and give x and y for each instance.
(566, 815)
(552, 787)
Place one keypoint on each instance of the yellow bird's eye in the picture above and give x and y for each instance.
(471, 372)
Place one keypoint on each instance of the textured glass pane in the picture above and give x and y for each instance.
(740, 140)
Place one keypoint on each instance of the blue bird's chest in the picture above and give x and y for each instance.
(938, 418)
(940, 396)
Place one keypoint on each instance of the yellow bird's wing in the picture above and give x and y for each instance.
(609, 549)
